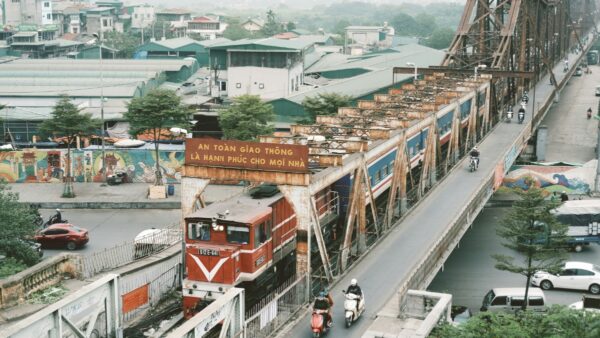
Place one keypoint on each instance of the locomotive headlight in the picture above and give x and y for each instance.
(221, 228)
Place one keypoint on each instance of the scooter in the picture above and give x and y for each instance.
(354, 306)
(521, 117)
(473, 164)
(318, 323)
(53, 220)
(117, 178)
(509, 116)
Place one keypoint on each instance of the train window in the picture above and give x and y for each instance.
(239, 235)
(260, 234)
(199, 231)
(377, 177)
(384, 171)
(269, 229)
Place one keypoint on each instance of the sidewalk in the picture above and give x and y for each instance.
(95, 196)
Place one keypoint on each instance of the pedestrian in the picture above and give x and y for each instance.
(563, 196)
(554, 197)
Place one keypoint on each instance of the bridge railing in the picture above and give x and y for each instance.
(277, 309)
(128, 252)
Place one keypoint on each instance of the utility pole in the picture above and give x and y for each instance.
(100, 38)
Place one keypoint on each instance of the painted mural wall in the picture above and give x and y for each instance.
(572, 179)
(43, 166)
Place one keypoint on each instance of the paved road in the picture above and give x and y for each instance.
(109, 227)
(469, 272)
(571, 136)
(390, 262)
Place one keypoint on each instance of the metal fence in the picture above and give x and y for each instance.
(128, 252)
(276, 309)
(160, 279)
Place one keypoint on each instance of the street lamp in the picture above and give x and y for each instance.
(477, 68)
(99, 38)
(412, 64)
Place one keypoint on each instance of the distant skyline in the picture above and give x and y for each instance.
(257, 4)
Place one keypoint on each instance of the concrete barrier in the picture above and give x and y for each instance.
(15, 289)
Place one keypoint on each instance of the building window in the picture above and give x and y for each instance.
(46, 4)
(292, 89)
(238, 85)
(104, 23)
(48, 16)
(223, 85)
(16, 1)
(135, 16)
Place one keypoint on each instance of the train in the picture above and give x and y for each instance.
(249, 240)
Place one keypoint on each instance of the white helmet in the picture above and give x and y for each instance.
(58, 210)
(353, 282)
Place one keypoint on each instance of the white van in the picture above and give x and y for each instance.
(511, 300)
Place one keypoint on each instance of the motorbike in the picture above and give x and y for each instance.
(589, 114)
(117, 178)
(473, 164)
(521, 117)
(53, 220)
(318, 323)
(525, 99)
(509, 116)
(354, 306)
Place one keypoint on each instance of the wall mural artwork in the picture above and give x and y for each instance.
(43, 166)
(572, 179)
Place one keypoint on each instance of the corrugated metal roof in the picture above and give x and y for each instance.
(126, 91)
(296, 44)
(397, 56)
(380, 76)
(177, 42)
(94, 64)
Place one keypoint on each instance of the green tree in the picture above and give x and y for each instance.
(68, 122)
(158, 30)
(234, 30)
(290, 26)
(272, 26)
(530, 228)
(160, 108)
(425, 24)
(441, 38)
(125, 43)
(558, 321)
(17, 224)
(405, 24)
(246, 118)
(325, 104)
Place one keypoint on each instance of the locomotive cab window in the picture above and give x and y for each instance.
(240, 235)
(199, 231)
(262, 233)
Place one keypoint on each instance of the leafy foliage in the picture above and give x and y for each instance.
(559, 321)
(246, 118)
(272, 25)
(441, 38)
(125, 43)
(11, 266)
(159, 109)
(529, 227)
(69, 122)
(235, 31)
(17, 223)
(325, 104)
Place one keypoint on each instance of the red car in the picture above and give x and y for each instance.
(62, 235)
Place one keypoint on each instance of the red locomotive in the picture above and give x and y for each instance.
(235, 241)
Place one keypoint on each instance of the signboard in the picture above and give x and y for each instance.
(246, 155)
(135, 298)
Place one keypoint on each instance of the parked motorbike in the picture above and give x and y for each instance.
(525, 99)
(473, 164)
(354, 306)
(318, 323)
(117, 178)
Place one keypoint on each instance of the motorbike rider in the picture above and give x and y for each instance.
(324, 302)
(57, 218)
(475, 155)
(521, 113)
(589, 113)
(355, 290)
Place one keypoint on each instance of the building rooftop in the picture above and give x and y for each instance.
(204, 19)
(297, 44)
(179, 11)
